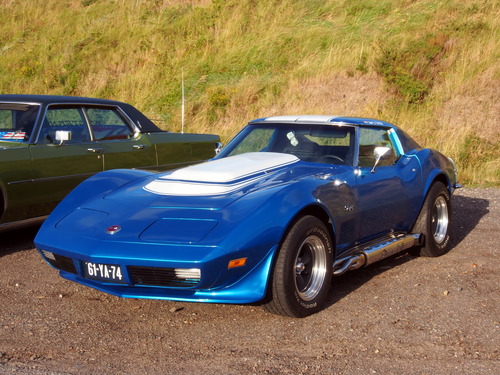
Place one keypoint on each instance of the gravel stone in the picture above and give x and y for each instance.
(389, 318)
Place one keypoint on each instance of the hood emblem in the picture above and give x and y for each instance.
(113, 229)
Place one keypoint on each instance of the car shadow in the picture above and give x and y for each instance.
(18, 240)
(466, 214)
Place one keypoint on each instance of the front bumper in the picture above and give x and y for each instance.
(167, 278)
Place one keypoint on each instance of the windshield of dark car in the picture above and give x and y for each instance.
(17, 121)
(331, 144)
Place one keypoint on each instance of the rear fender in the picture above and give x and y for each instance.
(436, 167)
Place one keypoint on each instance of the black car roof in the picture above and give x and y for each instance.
(139, 119)
(48, 99)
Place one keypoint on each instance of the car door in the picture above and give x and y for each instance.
(121, 145)
(385, 194)
(59, 166)
(16, 125)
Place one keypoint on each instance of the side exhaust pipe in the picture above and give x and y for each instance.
(373, 252)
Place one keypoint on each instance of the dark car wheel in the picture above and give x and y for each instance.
(303, 270)
(434, 221)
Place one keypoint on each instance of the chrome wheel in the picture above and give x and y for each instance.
(310, 268)
(435, 221)
(439, 220)
(302, 273)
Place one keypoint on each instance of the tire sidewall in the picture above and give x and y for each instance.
(443, 245)
(424, 224)
(307, 226)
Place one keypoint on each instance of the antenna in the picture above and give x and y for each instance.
(182, 127)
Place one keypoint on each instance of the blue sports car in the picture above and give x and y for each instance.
(290, 202)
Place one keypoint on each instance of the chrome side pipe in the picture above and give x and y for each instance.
(373, 252)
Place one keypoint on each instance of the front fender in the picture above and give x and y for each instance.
(98, 185)
(268, 214)
(253, 227)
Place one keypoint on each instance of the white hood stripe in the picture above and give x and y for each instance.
(220, 176)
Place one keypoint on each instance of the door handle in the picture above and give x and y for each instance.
(139, 147)
(96, 150)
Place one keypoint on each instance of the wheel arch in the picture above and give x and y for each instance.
(3, 199)
(315, 210)
(438, 177)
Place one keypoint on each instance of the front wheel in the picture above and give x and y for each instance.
(303, 270)
(434, 221)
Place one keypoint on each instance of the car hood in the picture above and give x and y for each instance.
(186, 204)
(220, 177)
(214, 184)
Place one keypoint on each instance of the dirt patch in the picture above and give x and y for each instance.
(475, 110)
(332, 94)
(404, 315)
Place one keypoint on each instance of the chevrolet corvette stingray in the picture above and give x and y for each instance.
(290, 202)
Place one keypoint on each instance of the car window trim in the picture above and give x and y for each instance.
(81, 107)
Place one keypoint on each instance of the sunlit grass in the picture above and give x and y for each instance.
(429, 66)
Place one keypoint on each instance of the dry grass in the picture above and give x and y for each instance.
(244, 59)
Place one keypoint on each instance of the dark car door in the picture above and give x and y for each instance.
(120, 145)
(59, 166)
(386, 197)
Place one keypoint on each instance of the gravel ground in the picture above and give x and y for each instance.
(403, 315)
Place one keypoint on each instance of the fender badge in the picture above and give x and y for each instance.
(113, 229)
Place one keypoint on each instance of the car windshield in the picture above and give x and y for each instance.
(17, 121)
(331, 144)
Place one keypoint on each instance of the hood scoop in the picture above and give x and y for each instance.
(220, 176)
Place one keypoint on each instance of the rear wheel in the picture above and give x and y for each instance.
(434, 221)
(303, 270)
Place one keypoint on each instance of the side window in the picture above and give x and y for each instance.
(368, 140)
(107, 124)
(66, 119)
(17, 121)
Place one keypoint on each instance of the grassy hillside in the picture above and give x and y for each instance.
(432, 67)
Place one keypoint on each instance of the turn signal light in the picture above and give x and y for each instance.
(236, 263)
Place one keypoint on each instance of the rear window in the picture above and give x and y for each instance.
(17, 121)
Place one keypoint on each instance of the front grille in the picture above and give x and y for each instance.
(59, 261)
(171, 277)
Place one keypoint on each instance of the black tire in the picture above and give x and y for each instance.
(434, 222)
(303, 270)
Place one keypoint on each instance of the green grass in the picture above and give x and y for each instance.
(429, 66)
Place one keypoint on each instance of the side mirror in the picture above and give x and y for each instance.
(62, 136)
(380, 153)
(218, 147)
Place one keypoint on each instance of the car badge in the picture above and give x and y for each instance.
(113, 229)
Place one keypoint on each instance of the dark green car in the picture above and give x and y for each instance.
(49, 144)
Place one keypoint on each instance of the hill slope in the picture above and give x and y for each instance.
(430, 66)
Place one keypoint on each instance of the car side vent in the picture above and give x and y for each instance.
(170, 277)
(59, 261)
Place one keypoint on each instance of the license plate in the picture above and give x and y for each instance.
(106, 272)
